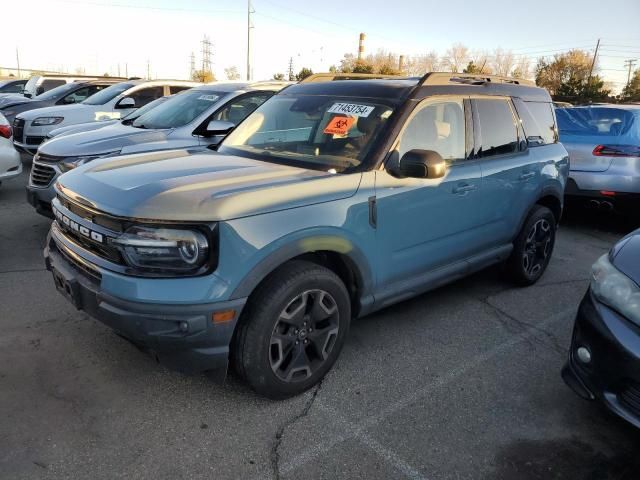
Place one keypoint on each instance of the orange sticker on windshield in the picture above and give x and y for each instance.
(339, 125)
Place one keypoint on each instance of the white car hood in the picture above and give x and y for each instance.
(79, 113)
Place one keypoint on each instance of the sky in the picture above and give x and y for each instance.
(123, 35)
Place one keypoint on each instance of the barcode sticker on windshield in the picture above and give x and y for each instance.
(209, 98)
(351, 109)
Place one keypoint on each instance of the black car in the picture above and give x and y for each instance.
(67, 94)
(604, 360)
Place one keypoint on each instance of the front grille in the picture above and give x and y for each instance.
(34, 140)
(42, 175)
(629, 397)
(43, 157)
(103, 220)
(18, 130)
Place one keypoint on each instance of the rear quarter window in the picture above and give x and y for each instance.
(595, 121)
(538, 122)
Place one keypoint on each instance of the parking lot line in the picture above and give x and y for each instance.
(357, 430)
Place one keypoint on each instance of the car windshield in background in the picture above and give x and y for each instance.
(594, 121)
(142, 110)
(57, 92)
(179, 110)
(319, 132)
(108, 94)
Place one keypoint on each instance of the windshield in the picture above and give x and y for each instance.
(57, 92)
(108, 94)
(310, 131)
(179, 110)
(142, 110)
(599, 122)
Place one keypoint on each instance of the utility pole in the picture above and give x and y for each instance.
(148, 70)
(593, 62)
(206, 55)
(18, 61)
(630, 63)
(291, 77)
(126, 70)
(250, 11)
(192, 65)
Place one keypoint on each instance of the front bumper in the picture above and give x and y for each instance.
(613, 374)
(182, 337)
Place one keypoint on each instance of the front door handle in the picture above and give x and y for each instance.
(527, 175)
(463, 189)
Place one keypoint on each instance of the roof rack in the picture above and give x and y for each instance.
(329, 77)
(444, 78)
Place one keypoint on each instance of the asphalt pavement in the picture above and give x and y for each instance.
(460, 383)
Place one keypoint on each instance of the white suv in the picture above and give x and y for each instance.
(30, 128)
(10, 164)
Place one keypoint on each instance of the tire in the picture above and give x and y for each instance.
(274, 350)
(533, 247)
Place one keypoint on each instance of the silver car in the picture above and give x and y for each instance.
(604, 149)
(197, 118)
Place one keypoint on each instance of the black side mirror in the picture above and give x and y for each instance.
(126, 102)
(421, 164)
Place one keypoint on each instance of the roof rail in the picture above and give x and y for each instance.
(329, 77)
(444, 78)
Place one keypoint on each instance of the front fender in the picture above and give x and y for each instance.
(308, 241)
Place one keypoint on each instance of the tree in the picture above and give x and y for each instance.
(631, 92)
(456, 57)
(304, 73)
(278, 76)
(362, 66)
(203, 76)
(232, 73)
(421, 64)
(502, 62)
(567, 77)
(472, 68)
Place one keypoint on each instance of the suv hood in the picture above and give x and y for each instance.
(177, 186)
(61, 111)
(101, 140)
(11, 99)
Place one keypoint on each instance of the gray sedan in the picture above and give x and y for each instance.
(604, 149)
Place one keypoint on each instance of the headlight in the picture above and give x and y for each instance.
(42, 121)
(614, 288)
(163, 249)
(73, 162)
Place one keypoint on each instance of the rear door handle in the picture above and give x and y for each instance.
(527, 175)
(463, 189)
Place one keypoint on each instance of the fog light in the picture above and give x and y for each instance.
(184, 326)
(584, 355)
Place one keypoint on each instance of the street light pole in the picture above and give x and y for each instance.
(249, 27)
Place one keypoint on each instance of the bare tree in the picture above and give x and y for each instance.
(502, 61)
(481, 59)
(522, 68)
(421, 64)
(232, 73)
(457, 57)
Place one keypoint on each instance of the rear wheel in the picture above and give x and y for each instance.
(292, 330)
(533, 247)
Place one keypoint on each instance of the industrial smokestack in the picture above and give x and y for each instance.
(401, 64)
(361, 46)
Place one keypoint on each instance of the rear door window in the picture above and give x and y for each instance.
(173, 89)
(498, 130)
(538, 122)
(146, 95)
(50, 83)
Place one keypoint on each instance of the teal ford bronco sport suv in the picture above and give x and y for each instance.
(335, 198)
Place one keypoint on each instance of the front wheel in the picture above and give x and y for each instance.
(292, 330)
(533, 247)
